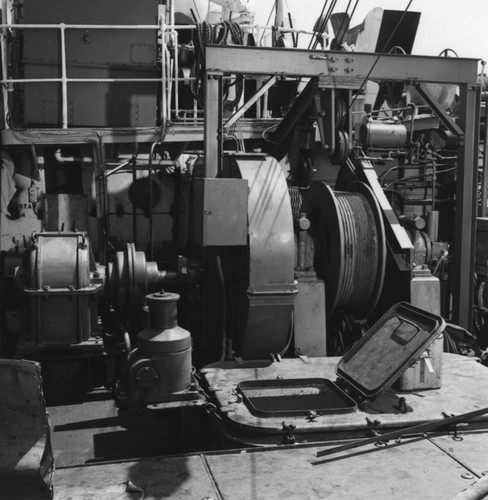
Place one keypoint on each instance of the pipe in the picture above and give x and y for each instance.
(176, 206)
(127, 343)
(58, 156)
(475, 491)
(101, 196)
(220, 273)
(151, 212)
(163, 70)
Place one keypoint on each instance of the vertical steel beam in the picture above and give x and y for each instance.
(213, 125)
(466, 204)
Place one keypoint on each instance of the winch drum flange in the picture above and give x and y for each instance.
(131, 277)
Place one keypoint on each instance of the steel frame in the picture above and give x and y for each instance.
(350, 70)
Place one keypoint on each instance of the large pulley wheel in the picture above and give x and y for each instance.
(342, 149)
(350, 246)
(128, 281)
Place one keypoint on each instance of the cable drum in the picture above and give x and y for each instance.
(350, 246)
(296, 197)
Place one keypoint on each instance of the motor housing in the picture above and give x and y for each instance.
(160, 366)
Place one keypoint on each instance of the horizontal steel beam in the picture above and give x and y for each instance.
(341, 68)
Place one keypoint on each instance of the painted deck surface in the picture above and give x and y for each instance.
(413, 469)
(464, 383)
(95, 448)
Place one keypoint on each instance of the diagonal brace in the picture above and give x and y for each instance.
(445, 118)
(249, 103)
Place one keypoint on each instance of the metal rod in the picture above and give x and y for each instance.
(448, 453)
(170, 87)
(86, 80)
(3, 43)
(416, 429)
(434, 182)
(64, 81)
(443, 115)
(116, 169)
(151, 27)
(95, 80)
(134, 207)
(151, 213)
(83, 26)
(163, 70)
(176, 79)
(176, 58)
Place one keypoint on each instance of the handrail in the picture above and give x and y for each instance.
(64, 83)
(64, 79)
(82, 26)
(169, 69)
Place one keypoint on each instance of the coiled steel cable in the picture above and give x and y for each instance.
(350, 245)
(217, 34)
(296, 198)
(361, 249)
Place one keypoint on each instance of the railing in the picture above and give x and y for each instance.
(7, 83)
(167, 36)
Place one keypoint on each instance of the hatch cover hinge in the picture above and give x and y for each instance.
(289, 437)
(455, 430)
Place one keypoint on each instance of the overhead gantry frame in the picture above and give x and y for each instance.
(350, 70)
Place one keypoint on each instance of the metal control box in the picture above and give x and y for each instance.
(220, 212)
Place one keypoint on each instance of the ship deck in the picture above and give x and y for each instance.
(99, 452)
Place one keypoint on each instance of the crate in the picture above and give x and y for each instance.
(426, 372)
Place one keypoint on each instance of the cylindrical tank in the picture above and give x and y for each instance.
(161, 364)
(62, 295)
(59, 260)
(388, 134)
